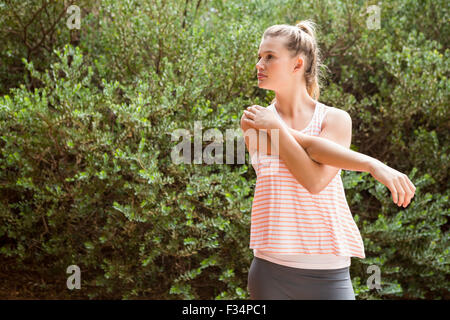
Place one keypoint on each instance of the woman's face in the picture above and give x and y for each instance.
(276, 65)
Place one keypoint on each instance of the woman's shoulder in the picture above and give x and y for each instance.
(335, 116)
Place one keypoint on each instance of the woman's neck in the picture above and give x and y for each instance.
(294, 104)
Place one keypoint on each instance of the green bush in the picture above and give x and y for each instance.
(85, 138)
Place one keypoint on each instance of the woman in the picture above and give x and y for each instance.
(302, 231)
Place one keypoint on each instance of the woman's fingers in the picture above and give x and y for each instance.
(402, 195)
(251, 109)
(400, 192)
(393, 191)
(404, 190)
(408, 193)
(249, 121)
(248, 114)
(411, 185)
(394, 194)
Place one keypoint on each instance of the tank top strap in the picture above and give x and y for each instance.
(323, 109)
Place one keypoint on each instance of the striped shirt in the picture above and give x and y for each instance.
(293, 227)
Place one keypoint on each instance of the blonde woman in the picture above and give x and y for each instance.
(302, 231)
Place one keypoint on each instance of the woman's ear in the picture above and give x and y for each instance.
(298, 63)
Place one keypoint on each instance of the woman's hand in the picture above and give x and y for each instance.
(261, 118)
(401, 187)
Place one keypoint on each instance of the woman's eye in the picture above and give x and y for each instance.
(268, 57)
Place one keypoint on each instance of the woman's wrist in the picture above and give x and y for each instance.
(372, 164)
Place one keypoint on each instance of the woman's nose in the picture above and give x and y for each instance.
(258, 66)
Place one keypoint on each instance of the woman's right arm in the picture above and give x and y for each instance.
(330, 153)
(333, 154)
(327, 152)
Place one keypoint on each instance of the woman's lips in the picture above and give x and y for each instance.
(261, 76)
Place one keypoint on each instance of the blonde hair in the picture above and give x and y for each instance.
(301, 38)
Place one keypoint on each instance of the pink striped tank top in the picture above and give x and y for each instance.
(295, 228)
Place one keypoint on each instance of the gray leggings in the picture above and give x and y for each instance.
(272, 281)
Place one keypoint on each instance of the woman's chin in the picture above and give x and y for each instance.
(261, 84)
